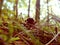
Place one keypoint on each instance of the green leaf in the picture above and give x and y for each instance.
(13, 39)
(1, 22)
(4, 37)
(11, 30)
(1, 31)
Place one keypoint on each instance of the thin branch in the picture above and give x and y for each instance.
(53, 38)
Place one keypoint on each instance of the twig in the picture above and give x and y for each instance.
(53, 38)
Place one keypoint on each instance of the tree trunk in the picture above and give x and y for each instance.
(29, 9)
(47, 13)
(16, 9)
(37, 17)
(1, 3)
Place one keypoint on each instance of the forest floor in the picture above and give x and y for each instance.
(14, 33)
